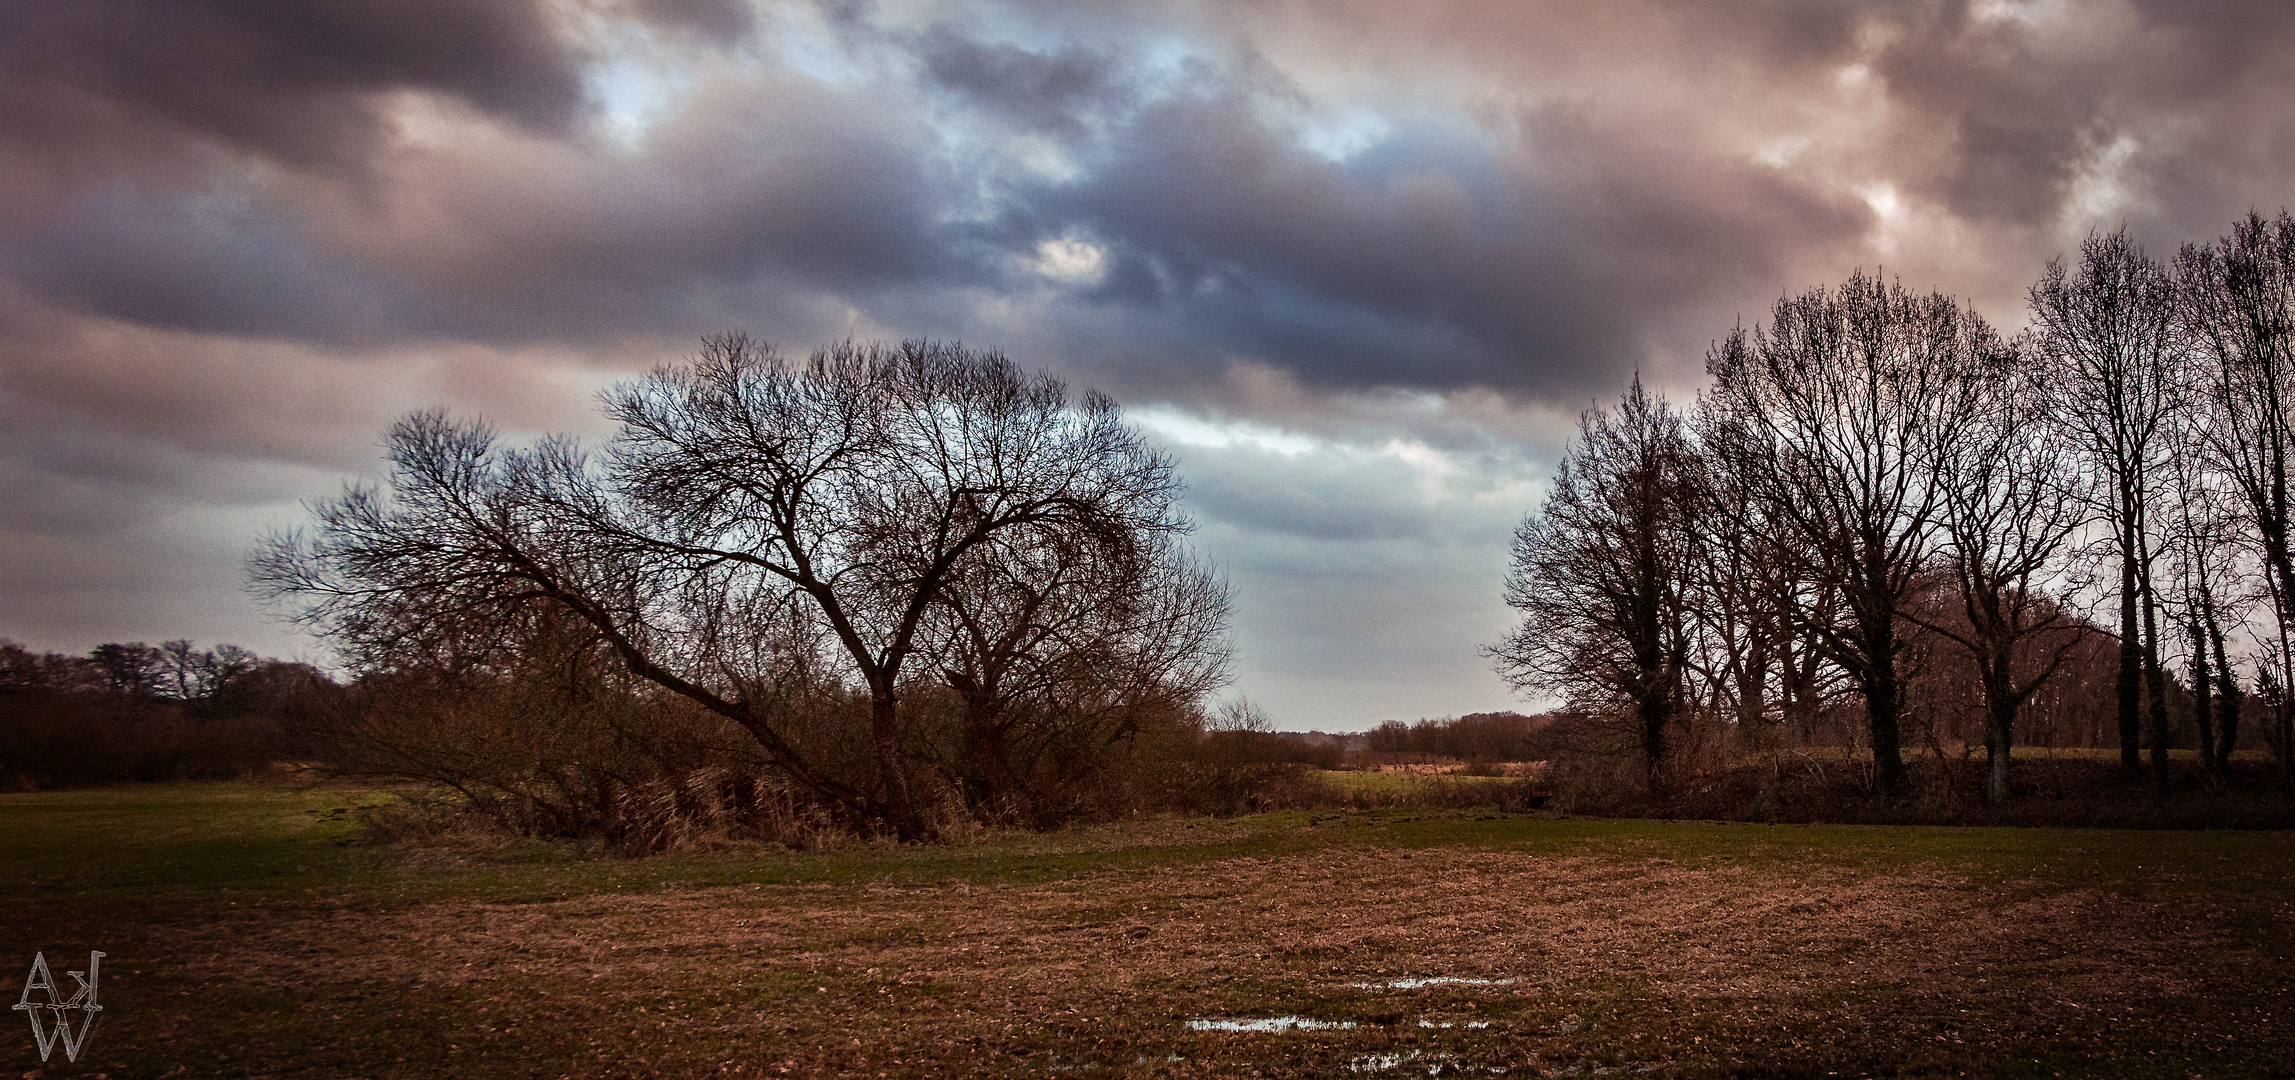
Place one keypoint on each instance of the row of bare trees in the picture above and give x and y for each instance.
(880, 560)
(131, 711)
(1782, 546)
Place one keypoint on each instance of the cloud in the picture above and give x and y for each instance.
(723, 20)
(1053, 94)
(216, 262)
(1414, 239)
(1354, 560)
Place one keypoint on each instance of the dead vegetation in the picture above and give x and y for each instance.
(1414, 947)
(1833, 786)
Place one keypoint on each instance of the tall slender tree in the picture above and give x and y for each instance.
(2207, 571)
(2107, 330)
(2238, 303)
(1760, 666)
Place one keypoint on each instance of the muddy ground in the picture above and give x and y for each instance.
(1341, 945)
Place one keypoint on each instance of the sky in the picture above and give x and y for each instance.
(1358, 266)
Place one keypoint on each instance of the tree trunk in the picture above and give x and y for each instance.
(1653, 712)
(2131, 663)
(1999, 747)
(2203, 698)
(2282, 721)
(2155, 717)
(892, 773)
(2000, 702)
(2228, 699)
(1753, 734)
(1883, 703)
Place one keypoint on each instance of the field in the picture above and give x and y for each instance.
(1397, 783)
(243, 939)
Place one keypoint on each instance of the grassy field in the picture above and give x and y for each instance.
(244, 939)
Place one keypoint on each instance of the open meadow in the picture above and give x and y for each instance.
(243, 937)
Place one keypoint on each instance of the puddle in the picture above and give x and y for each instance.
(1272, 1023)
(1471, 1025)
(1434, 1064)
(1380, 1062)
(1431, 980)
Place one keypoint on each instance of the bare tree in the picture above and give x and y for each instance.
(1760, 665)
(129, 670)
(2209, 573)
(2238, 303)
(1601, 573)
(202, 677)
(1837, 414)
(2012, 500)
(2107, 330)
(753, 517)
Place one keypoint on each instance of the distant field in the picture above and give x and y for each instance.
(1395, 783)
(243, 940)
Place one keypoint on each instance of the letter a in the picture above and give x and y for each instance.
(39, 979)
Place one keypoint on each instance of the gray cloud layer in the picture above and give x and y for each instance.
(235, 239)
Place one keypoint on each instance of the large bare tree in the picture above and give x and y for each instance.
(753, 516)
(1836, 415)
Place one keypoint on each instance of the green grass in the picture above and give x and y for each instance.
(172, 838)
(154, 843)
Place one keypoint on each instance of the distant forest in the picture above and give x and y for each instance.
(131, 711)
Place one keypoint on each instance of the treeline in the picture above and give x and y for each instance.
(136, 712)
(1475, 737)
(1886, 523)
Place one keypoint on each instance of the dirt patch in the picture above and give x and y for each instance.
(1465, 960)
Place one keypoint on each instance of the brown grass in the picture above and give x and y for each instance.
(1710, 965)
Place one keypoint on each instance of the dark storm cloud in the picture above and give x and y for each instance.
(1055, 94)
(721, 19)
(1528, 260)
(781, 186)
(290, 79)
(2022, 109)
(1537, 243)
(518, 239)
